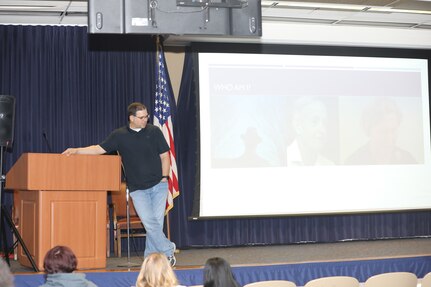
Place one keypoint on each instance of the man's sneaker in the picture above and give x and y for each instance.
(172, 260)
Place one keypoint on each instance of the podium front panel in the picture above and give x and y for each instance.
(76, 219)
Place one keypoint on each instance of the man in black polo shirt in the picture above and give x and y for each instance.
(145, 156)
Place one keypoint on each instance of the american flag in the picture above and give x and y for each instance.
(164, 102)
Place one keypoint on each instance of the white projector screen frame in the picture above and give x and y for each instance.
(251, 108)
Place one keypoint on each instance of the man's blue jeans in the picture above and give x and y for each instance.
(150, 205)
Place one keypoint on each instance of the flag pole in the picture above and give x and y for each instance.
(164, 101)
(168, 225)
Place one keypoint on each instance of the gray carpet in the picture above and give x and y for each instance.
(297, 253)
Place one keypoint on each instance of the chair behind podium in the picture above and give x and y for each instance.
(119, 219)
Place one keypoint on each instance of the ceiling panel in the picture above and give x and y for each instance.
(401, 13)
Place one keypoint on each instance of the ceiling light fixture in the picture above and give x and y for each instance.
(394, 10)
(25, 7)
(289, 4)
(335, 6)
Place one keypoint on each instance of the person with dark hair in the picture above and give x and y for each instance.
(59, 264)
(218, 273)
(145, 156)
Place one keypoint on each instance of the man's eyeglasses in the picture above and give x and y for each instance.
(143, 117)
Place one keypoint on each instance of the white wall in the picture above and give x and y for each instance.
(326, 34)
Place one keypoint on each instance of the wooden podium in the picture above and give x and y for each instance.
(61, 200)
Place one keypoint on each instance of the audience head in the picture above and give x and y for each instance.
(156, 272)
(6, 277)
(218, 273)
(60, 259)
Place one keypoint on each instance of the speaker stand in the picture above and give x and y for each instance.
(6, 218)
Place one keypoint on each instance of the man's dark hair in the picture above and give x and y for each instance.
(134, 107)
(60, 259)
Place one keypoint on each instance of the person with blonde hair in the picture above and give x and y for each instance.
(156, 271)
(381, 122)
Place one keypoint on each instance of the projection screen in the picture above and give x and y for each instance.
(304, 134)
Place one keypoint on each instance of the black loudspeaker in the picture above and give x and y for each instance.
(7, 119)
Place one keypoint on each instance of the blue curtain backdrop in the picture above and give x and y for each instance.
(73, 94)
(70, 87)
